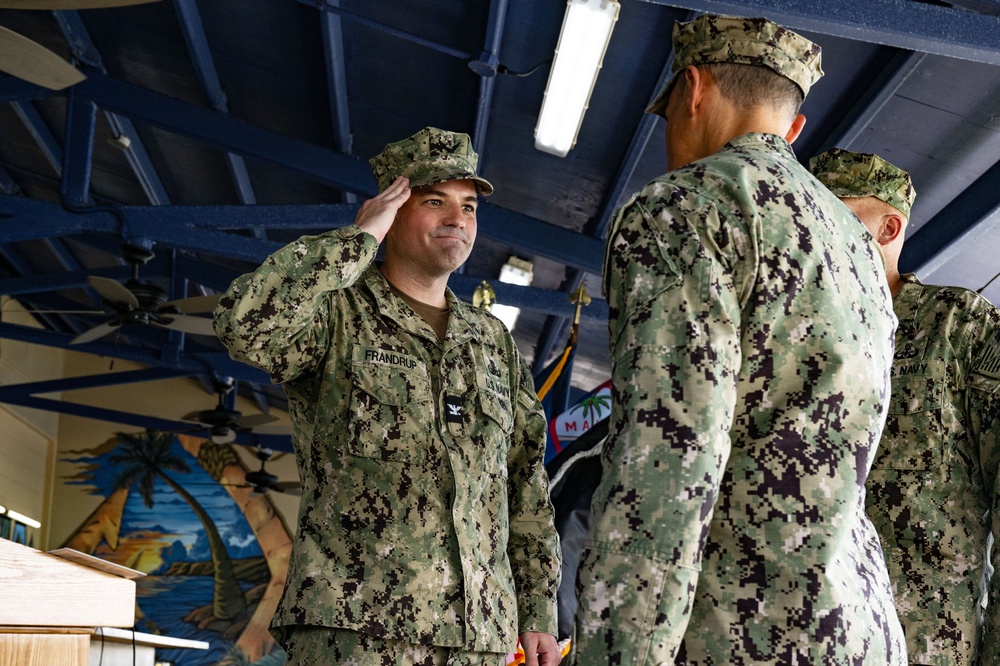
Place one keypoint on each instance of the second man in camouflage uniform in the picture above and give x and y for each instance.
(932, 491)
(751, 344)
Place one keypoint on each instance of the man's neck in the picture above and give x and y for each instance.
(421, 288)
(895, 281)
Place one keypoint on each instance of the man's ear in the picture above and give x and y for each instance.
(694, 88)
(797, 124)
(891, 228)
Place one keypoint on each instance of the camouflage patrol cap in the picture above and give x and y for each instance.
(849, 174)
(430, 156)
(743, 41)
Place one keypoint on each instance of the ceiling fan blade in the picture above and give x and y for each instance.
(113, 291)
(69, 4)
(254, 420)
(193, 304)
(29, 60)
(95, 333)
(186, 324)
(287, 487)
(279, 429)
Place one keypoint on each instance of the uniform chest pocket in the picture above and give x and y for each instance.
(497, 409)
(914, 428)
(391, 411)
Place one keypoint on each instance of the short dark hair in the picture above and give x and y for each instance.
(749, 86)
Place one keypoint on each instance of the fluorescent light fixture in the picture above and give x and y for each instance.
(3, 509)
(584, 38)
(21, 518)
(515, 271)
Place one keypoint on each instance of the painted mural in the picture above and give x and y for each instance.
(215, 552)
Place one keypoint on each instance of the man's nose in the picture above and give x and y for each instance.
(455, 217)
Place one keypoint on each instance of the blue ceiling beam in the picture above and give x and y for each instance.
(883, 86)
(336, 84)
(40, 132)
(274, 442)
(336, 76)
(7, 183)
(13, 89)
(213, 362)
(81, 116)
(162, 225)
(92, 381)
(914, 26)
(320, 164)
(334, 6)
(937, 241)
(138, 158)
(486, 67)
(204, 66)
(38, 284)
(76, 35)
(323, 165)
(18, 264)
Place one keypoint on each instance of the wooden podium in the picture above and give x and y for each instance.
(50, 606)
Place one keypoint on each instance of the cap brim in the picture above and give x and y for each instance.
(659, 104)
(483, 187)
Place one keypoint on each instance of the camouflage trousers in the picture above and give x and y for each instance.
(324, 646)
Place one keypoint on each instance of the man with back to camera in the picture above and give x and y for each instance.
(425, 532)
(932, 491)
(751, 344)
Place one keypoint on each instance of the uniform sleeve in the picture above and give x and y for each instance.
(984, 418)
(533, 544)
(277, 318)
(674, 324)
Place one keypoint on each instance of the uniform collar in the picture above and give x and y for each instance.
(462, 325)
(906, 302)
(751, 139)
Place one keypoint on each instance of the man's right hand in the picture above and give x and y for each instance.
(378, 213)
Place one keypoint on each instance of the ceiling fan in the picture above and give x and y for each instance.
(262, 481)
(224, 422)
(137, 302)
(29, 60)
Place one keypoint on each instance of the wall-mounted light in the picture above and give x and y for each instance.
(586, 31)
(23, 519)
(515, 271)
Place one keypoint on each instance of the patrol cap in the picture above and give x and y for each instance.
(849, 174)
(430, 156)
(743, 41)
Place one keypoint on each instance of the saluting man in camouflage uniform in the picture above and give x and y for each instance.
(751, 344)
(932, 491)
(425, 532)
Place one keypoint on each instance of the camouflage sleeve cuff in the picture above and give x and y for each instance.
(634, 609)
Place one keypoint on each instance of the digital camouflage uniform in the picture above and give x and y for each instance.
(932, 492)
(751, 344)
(425, 514)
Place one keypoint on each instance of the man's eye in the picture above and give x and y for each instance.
(469, 209)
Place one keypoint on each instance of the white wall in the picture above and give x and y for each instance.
(27, 436)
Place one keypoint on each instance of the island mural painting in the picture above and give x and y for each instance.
(214, 551)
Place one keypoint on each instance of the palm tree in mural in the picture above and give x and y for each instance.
(144, 457)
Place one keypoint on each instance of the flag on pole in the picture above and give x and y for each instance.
(554, 382)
